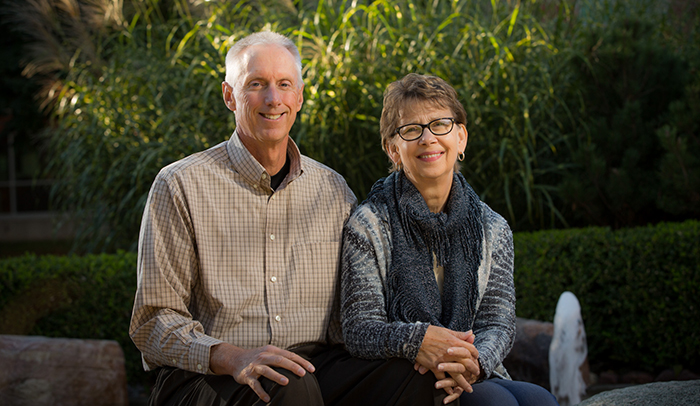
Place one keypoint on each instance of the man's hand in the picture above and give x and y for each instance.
(246, 366)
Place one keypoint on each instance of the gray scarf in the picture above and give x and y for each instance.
(453, 236)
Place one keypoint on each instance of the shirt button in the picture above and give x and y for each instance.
(174, 361)
(273, 279)
(264, 176)
(272, 237)
(278, 318)
(199, 367)
(255, 187)
(273, 197)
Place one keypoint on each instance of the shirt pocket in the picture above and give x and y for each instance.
(315, 267)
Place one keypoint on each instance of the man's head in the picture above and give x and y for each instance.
(264, 88)
(233, 57)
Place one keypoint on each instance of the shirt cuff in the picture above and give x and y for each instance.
(199, 353)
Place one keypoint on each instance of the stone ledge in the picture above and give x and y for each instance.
(676, 393)
(42, 371)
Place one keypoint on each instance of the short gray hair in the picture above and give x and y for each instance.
(233, 57)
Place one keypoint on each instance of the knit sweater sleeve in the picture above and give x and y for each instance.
(365, 259)
(494, 327)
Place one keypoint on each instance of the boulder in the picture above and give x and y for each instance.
(675, 393)
(41, 371)
(529, 359)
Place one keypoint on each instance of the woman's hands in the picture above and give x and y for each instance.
(452, 357)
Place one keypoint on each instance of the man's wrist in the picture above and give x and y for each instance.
(221, 358)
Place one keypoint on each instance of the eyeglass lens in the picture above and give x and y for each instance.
(440, 126)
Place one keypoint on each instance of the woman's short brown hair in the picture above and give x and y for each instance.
(432, 90)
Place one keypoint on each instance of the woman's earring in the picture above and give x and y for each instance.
(461, 156)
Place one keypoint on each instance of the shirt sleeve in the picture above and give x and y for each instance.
(494, 327)
(364, 260)
(162, 327)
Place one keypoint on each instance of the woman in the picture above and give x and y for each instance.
(427, 268)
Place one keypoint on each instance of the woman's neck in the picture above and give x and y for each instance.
(435, 193)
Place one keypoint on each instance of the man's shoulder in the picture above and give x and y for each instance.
(195, 161)
(319, 172)
(317, 168)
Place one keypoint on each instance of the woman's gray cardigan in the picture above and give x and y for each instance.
(365, 259)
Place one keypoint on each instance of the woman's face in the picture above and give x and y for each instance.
(431, 158)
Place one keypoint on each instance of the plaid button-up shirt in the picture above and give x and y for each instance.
(224, 258)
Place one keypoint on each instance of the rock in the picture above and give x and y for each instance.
(666, 375)
(636, 377)
(671, 375)
(608, 378)
(676, 393)
(686, 375)
(40, 371)
(528, 360)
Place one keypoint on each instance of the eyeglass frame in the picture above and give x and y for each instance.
(424, 126)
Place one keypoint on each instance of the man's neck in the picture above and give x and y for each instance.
(271, 156)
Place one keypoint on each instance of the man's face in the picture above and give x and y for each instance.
(266, 96)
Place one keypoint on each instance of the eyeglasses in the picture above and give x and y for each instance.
(439, 126)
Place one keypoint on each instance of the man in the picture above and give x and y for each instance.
(238, 258)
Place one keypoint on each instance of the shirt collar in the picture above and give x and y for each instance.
(243, 162)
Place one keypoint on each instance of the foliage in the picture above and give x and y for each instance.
(635, 166)
(20, 116)
(148, 95)
(557, 138)
(637, 287)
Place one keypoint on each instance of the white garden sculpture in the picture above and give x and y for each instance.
(567, 352)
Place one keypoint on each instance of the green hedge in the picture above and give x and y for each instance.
(638, 290)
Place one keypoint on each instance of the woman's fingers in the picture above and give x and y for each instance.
(456, 392)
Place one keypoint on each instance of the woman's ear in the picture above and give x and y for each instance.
(393, 151)
(463, 137)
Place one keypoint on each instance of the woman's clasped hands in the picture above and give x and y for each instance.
(452, 357)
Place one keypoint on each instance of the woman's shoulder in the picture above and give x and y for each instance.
(370, 211)
(492, 221)
(370, 222)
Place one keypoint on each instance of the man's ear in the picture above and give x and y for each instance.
(300, 100)
(227, 93)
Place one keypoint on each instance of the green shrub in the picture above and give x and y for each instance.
(638, 289)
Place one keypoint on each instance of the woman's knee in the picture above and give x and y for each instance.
(487, 393)
(528, 394)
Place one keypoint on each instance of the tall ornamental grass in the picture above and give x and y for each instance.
(505, 66)
(135, 85)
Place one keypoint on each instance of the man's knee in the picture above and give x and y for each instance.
(417, 388)
(403, 367)
(299, 390)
